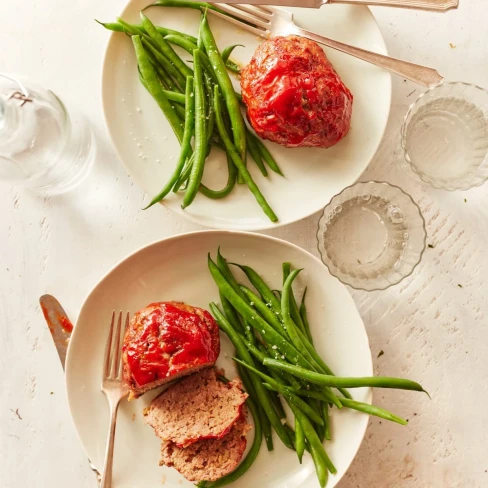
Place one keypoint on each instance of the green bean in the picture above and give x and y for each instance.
(229, 277)
(231, 314)
(200, 135)
(166, 63)
(255, 154)
(281, 388)
(185, 174)
(175, 96)
(303, 315)
(264, 398)
(117, 27)
(313, 438)
(226, 53)
(290, 326)
(317, 394)
(210, 105)
(133, 30)
(165, 48)
(299, 440)
(227, 89)
(249, 387)
(185, 144)
(325, 410)
(231, 149)
(317, 406)
(295, 314)
(346, 382)
(155, 89)
(324, 368)
(166, 80)
(231, 180)
(372, 410)
(263, 289)
(180, 41)
(255, 302)
(185, 4)
(266, 155)
(251, 455)
(290, 398)
(252, 318)
(320, 467)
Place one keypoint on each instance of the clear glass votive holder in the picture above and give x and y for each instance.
(371, 235)
(444, 137)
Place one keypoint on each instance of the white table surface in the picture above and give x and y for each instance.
(433, 326)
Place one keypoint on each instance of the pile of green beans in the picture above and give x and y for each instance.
(204, 117)
(278, 362)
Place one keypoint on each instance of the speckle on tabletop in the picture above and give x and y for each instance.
(380, 354)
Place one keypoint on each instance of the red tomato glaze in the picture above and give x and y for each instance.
(168, 338)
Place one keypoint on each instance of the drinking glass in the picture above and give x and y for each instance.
(444, 137)
(371, 235)
(42, 146)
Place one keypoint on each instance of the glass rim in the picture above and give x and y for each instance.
(423, 226)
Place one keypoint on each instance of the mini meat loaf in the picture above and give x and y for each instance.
(167, 340)
(294, 96)
(209, 459)
(196, 408)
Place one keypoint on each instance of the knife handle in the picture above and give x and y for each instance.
(432, 5)
(414, 72)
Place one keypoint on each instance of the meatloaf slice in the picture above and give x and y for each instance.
(208, 459)
(197, 407)
(166, 340)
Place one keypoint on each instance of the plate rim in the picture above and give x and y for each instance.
(184, 235)
(266, 225)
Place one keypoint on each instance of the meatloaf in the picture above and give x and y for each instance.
(293, 94)
(208, 459)
(197, 407)
(167, 340)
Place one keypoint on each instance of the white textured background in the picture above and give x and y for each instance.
(433, 326)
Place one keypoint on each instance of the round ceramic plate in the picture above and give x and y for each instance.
(149, 150)
(176, 269)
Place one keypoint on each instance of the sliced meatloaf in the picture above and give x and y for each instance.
(208, 459)
(166, 340)
(197, 407)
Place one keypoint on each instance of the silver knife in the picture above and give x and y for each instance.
(60, 327)
(59, 324)
(433, 5)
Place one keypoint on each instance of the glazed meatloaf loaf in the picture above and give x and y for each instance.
(208, 459)
(197, 407)
(167, 340)
(294, 96)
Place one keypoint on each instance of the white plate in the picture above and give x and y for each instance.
(176, 269)
(148, 148)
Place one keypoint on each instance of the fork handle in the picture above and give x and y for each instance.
(109, 453)
(414, 72)
(433, 5)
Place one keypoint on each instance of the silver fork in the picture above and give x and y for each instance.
(265, 21)
(113, 387)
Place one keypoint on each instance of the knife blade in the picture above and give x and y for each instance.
(60, 327)
(432, 5)
(283, 3)
(59, 324)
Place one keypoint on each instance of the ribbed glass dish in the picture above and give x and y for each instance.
(371, 235)
(444, 137)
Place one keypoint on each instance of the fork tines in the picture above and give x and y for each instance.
(112, 363)
(254, 19)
